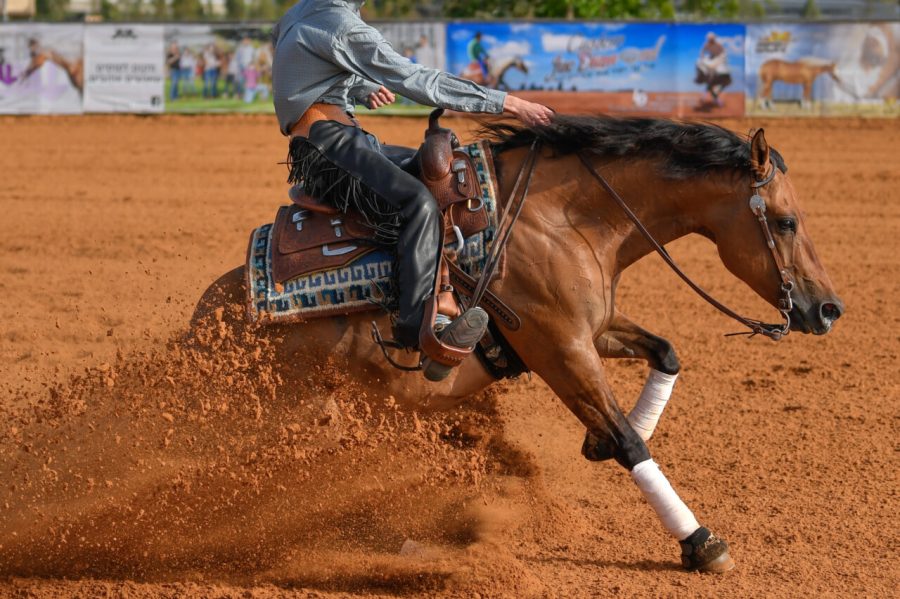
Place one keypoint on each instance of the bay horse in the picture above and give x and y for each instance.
(802, 72)
(570, 246)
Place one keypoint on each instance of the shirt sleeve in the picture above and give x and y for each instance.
(360, 88)
(363, 51)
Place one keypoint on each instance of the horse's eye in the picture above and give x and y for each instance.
(787, 225)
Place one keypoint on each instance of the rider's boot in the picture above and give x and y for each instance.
(464, 332)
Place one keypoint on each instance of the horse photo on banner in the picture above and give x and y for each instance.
(633, 68)
(124, 68)
(41, 69)
(823, 69)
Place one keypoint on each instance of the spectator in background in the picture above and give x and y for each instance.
(425, 54)
(264, 62)
(245, 55)
(231, 75)
(173, 62)
(210, 72)
(189, 72)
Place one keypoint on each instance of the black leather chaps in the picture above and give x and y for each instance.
(359, 155)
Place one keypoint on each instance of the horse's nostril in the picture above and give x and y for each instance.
(830, 311)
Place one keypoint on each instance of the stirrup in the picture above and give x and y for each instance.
(462, 333)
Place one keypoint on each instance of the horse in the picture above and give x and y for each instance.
(570, 247)
(497, 74)
(802, 72)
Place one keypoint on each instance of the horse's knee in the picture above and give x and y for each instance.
(630, 449)
(625, 446)
(663, 357)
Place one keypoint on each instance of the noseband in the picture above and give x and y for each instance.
(758, 207)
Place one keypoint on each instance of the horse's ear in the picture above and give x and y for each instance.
(759, 153)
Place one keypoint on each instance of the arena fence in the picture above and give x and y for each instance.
(707, 70)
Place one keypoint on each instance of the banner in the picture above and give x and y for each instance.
(218, 68)
(823, 69)
(709, 70)
(41, 69)
(421, 42)
(615, 67)
(124, 69)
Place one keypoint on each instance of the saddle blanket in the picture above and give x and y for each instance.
(356, 286)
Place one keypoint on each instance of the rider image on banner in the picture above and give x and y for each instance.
(218, 68)
(642, 68)
(41, 69)
(124, 68)
(823, 69)
(710, 69)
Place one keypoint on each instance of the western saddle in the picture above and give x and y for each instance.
(311, 236)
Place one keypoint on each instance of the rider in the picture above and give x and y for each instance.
(479, 55)
(327, 59)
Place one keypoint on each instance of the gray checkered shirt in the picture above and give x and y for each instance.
(325, 52)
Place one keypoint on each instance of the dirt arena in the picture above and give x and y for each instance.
(129, 471)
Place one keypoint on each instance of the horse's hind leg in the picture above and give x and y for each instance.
(625, 339)
(576, 375)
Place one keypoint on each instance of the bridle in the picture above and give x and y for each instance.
(758, 207)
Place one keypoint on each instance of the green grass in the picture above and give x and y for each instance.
(197, 103)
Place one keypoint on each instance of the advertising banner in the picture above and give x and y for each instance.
(709, 69)
(41, 69)
(615, 67)
(823, 69)
(124, 69)
(218, 68)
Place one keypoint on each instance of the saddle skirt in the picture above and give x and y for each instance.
(314, 262)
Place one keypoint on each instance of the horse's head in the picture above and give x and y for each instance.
(743, 245)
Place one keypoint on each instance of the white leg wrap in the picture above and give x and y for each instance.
(650, 405)
(675, 515)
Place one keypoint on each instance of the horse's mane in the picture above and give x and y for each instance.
(684, 149)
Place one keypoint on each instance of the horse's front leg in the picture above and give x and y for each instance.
(576, 374)
(625, 339)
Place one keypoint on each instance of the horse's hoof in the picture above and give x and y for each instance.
(703, 551)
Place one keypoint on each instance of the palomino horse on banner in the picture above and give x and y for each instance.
(603, 188)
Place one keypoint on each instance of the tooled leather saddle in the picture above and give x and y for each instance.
(311, 236)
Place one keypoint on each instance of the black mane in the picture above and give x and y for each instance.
(685, 149)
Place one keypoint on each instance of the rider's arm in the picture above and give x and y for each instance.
(363, 51)
(360, 90)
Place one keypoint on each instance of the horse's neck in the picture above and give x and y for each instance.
(668, 208)
(505, 66)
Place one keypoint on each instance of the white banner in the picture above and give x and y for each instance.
(124, 68)
(421, 42)
(41, 69)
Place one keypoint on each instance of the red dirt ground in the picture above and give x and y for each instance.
(112, 227)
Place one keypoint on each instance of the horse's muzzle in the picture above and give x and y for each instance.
(817, 317)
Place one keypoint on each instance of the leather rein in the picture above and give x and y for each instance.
(758, 207)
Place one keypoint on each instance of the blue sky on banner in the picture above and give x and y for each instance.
(593, 56)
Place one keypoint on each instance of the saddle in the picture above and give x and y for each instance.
(311, 236)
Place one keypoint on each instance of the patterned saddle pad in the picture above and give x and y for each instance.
(354, 286)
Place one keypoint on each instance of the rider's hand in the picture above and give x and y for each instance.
(530, 113)
(382, 97)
